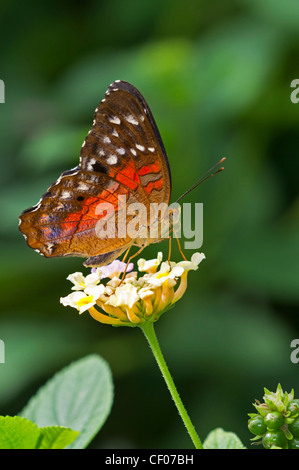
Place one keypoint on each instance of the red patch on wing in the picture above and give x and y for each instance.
(153, 185)
(145, 170)
(128, 177)
(91, 210)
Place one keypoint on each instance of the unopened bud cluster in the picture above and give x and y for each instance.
(276, 425)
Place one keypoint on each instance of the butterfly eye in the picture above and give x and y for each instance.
(80, 198)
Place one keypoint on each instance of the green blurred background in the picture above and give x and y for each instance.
(217, 77)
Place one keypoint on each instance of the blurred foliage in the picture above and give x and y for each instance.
(217, 78)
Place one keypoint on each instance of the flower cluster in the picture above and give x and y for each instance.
(131, 299)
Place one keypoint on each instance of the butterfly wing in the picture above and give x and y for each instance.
(123, 155)
(125, 143)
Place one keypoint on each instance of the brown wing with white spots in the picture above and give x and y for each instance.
(123, 154)
(64, 221)
(125, 144)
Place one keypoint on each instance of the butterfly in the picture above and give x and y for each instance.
(122, 155)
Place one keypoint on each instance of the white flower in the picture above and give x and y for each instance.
(83, 300)
(81, 282)
(95, 291)
(196, 258)
(126, 294)
(145, 292)
(150, 266)
(165, 273)
(131, 300)
(78, 280)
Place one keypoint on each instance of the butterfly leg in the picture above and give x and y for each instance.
(129, 261)
(179, 245)
(126, 254)
(169, 251)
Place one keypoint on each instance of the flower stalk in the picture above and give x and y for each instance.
(150, 334)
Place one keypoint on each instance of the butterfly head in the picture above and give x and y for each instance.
(174, 216)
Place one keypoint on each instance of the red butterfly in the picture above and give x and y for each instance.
(123, 155)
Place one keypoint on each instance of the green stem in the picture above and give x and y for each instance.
(149, 332)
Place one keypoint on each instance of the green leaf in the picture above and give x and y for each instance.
(56, 437)
(18, 433)
(220, 439)
(79, 397)
(21, 433)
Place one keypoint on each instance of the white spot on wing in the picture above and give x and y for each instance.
(106, 140)
(140, 147)
(133, 151)
(151, 149)
(65, 195)
(50, 247)
(114, 120)
(112, 160)
(90, 164)
(121, 151)
(83, 186)
(130, 118)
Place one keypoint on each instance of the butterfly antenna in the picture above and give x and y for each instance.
(204, 177)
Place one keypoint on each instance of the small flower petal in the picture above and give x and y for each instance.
(93, 278)
(95, 291)
(193, 264)
(145, 292)
(78, 300)
(151, 265)
(126, 294)
(72, 299)
(78, 280)
(115, 268)
(165, 274)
